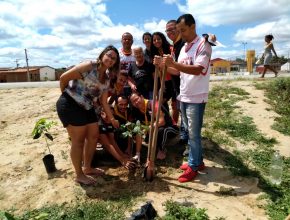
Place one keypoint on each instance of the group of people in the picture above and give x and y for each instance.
(124, 78)
(96, 96)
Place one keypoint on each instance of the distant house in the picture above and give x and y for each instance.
(286, 67)
(237, 66)
(219, 65)
(36, 73)
(3, 76)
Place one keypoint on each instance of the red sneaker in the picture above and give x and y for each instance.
(199, 168)
(187, 175)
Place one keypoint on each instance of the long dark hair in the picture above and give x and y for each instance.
(165, 45)
(116, 67)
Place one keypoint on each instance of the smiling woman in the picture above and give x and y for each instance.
(84, 91)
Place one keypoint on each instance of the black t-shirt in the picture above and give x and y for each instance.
(143, 77)
(176, 79)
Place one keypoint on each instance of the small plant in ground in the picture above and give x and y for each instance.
(41, 128)
(130, 129)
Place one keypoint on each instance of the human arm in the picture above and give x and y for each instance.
(175, 68)
(73, 73)
(161, 120)
(273, 49)
(158, 62)
(107, 110)
(132, 84)
(192, 64)
(108, 141)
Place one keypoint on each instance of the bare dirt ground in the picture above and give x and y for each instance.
(24, 183)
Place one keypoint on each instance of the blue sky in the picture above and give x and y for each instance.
(60, 33)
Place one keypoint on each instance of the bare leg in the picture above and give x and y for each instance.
(138, 139)
(90, 147)
(264, 71)
(128, 151)
(272, 69)
(77, 135)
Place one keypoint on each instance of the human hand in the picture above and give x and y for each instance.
(115, 123)
(129, 164)
(168, 60)
(157, 60)
(133, 87)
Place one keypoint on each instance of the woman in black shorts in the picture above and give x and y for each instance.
(84, 91)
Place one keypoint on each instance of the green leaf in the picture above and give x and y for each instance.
(136, 130)
(36, 135)
(49, 136)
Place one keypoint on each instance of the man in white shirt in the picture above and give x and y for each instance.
(126, 55)
(193, 66)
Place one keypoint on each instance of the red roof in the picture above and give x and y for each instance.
(216, 59)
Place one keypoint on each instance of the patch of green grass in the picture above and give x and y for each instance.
(175, 211)
(277, 91)
(222, 116)
(87, 210)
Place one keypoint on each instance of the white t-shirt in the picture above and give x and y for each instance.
(126, 60)
(194, 88)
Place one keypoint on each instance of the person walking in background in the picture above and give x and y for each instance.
(84, 91)
(194, 68)
(269, 47)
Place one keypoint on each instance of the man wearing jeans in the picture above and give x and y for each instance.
(193, 67)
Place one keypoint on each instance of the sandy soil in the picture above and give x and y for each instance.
(24, 183)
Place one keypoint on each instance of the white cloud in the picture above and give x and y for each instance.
(64, 32)
(215, 13)
(280, 29)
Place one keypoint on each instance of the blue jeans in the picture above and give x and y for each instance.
(183, 132)
(192, 116)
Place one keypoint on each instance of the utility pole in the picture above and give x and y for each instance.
(244, 43)
(17, 64)
(28, 75)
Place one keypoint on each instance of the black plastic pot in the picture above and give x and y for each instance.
(49, 163)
